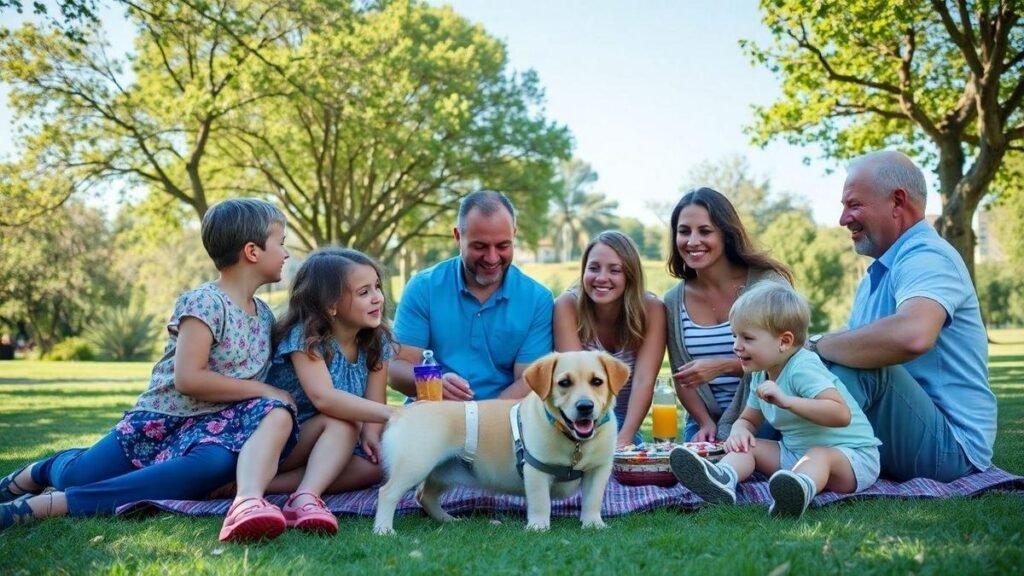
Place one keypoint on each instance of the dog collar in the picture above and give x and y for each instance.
(523, 456)
(561, 427)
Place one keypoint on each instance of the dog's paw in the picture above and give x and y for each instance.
(384, 530)
(597, 524)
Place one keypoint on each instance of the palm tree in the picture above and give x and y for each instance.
(577, 212)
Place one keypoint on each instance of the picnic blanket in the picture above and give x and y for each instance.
(619, 499)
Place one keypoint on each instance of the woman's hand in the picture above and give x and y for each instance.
(281, 395)
(698, 372)
(706, 433)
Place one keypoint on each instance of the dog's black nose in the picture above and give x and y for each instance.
(584, 407)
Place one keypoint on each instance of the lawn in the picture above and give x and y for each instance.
(48, 406)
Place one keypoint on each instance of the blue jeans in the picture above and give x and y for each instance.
(916, 439)
(99, 479)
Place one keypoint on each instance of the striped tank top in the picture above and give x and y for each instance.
(712, 342)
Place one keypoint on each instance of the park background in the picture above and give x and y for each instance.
(366, 121)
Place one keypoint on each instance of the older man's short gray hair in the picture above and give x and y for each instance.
(893, 170)
(488, 202)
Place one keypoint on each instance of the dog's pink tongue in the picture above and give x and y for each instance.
(583, 427)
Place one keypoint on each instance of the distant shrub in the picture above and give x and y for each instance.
(73, 348)
(124, 334)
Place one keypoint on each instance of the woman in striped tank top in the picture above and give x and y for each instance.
(609, 309)
(714, 259)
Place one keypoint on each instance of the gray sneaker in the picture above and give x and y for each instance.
(791, 492)
(701, 477)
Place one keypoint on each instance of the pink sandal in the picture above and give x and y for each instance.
(312, 516)
(263, 521)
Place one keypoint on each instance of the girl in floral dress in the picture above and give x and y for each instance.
(206, 411)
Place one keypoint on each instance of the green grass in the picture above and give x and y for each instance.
(48, 406)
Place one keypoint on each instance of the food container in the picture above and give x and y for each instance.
(647, 464)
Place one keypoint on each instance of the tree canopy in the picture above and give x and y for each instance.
(940, 79)
(367, 121)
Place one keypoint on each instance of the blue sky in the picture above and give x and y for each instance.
(649, 89)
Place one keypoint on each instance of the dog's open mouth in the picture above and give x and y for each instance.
(583, 428)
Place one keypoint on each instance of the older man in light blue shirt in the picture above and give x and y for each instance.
(914, 353)
(484, 319)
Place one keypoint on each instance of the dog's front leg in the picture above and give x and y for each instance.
(537, 486)
(594, 484)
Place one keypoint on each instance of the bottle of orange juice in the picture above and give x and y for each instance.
(666, 419)
(428, 378)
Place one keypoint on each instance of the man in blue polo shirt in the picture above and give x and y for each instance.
(484, 319)
(914, 353)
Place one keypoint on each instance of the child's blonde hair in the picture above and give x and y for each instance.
(774, 307)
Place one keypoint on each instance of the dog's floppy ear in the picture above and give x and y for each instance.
(538, 375)
(617, 371)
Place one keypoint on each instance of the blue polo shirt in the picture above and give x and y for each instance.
(480, 342)
(954, 372)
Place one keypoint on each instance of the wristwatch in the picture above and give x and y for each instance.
(812, 342)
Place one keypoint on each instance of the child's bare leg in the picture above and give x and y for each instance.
(46, 505)
(330, 455)
(358, 474)
(258, 459)
(829, 468)
(767, 456)
(293, 468)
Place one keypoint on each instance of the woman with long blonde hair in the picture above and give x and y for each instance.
(609, 309)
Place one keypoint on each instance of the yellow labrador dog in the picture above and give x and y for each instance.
(559, 436)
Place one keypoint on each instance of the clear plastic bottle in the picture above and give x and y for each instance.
(429, 385)
(664, 413)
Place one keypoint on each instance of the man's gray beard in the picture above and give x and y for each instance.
(490, 282)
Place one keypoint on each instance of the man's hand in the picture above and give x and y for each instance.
(456, 387)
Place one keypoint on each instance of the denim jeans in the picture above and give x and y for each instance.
(917, 441)
(99, 479)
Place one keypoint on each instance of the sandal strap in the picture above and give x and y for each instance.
(11, 480)
(261, 504)
(317, 501)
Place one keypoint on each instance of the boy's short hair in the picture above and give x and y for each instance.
(229, 225)
(774, 307)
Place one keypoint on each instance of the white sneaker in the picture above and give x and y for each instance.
(791, 492)
(701, 477)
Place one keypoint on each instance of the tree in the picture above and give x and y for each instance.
(577, 213)
(416, 110)
(825, 269)
(942, 79)
(55, 274)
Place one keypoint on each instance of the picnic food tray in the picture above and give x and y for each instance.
(647, 464)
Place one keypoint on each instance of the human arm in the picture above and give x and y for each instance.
(376, 391)
(538, 343)
(695, 407)
(895, 339)
(648, 362)
(316, 382)
(455, 387)
(742, 436)
(827, 408)
(564, 329)
(193, 377)
(699, 372)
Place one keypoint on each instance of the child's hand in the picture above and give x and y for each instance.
(740, 440)
(278, 394)
(770, 392)
(371, 446)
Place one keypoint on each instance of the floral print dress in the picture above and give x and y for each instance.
(166, 423)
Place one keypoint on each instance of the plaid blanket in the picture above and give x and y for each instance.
(619, 499)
